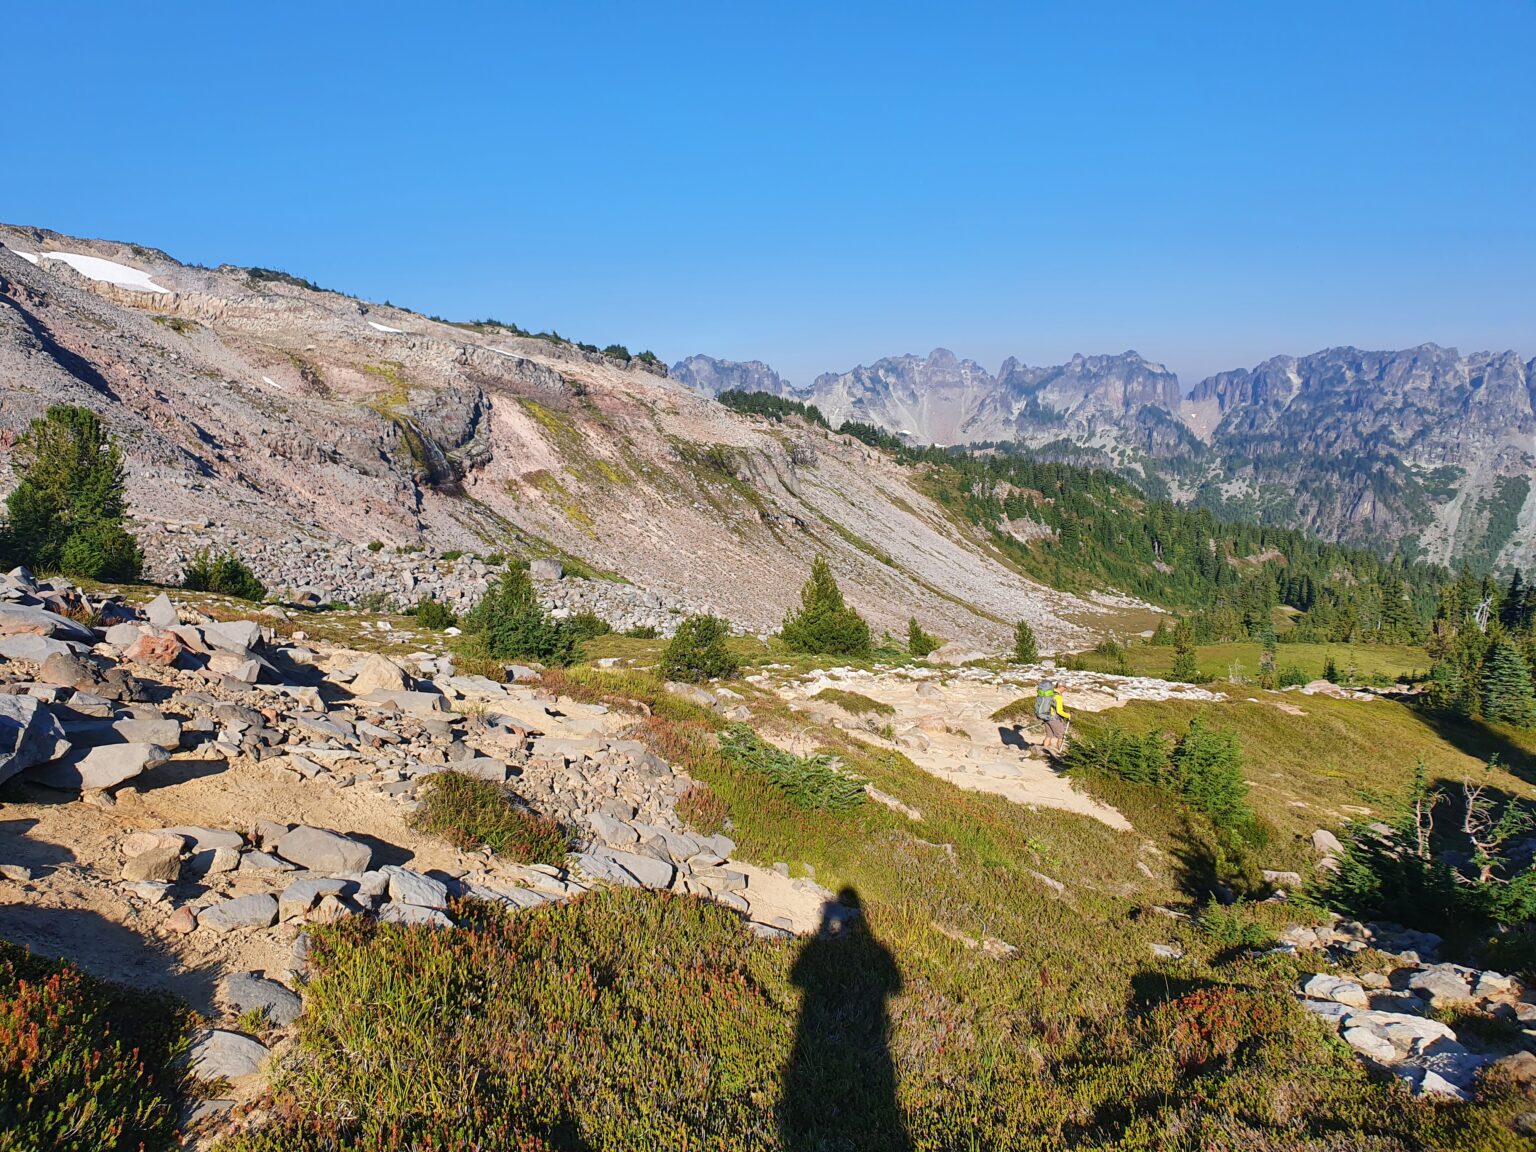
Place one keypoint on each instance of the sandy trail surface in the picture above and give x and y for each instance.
(943, 724)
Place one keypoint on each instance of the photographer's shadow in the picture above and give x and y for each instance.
(840, 1086)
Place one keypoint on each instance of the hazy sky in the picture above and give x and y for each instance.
(817, 185)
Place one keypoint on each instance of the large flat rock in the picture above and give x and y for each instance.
(29, 735)
(105, 766)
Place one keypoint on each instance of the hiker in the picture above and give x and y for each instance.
(1053, 713)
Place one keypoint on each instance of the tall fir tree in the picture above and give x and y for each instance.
(1506, 687)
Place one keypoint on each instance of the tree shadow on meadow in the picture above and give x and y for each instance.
(1480, 741)
(840, 1084)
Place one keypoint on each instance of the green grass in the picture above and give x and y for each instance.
(469, 813)
(1338, 759)
(1359, 663)
(855, 703)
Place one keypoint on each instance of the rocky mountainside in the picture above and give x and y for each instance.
(709, 377)
(300, 427)
(1424, 446)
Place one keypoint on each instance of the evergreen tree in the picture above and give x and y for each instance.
(1025, 649)
(514, 625)
(1506, 687)
(697, 652)
(919, 643)
(66, 513)
(1185, 668)
(825, 624)
(1207, 771)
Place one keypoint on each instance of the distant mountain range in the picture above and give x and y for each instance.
(1422, 446)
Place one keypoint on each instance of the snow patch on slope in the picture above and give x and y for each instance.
(109, 271)
(382, 327)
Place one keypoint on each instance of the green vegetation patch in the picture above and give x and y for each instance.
(855, 703)
(225, 575)
(85, 1065)
(472, 813)
(817, 781)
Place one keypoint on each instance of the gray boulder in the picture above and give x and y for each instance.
(29, 735)
(323, 851)
(247, 990)
(238, 636)
(161, 612)
(410, 887)
(649, 871)
(379, 674)
(243, 912)
(105, 766)
(31, 647)
(123, 635)
(414, 914)
(17, 619)
(614, 830)
(226, 1056)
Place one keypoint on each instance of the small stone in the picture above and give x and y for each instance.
(182, 921)
(226, 1056)
(414, 914)
(162, 863)
(137, 843)
(243, 912)
(300, 896)
(15, 873)
(223, 860)
(267, 833)
(259, 861)
(247, 990)
(1372, 1044)
(1336, 989)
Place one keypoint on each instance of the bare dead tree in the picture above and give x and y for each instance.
(1490, 828)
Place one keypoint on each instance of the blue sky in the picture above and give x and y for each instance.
(820, 184)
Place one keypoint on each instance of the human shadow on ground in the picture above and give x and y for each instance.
(840, 1085)
(17, 846)
(108, 950)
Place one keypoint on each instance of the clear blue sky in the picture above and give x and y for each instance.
(819, 184)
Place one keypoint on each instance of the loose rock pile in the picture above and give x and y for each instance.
(1387, 1014)
(324, 572)
(96, 711)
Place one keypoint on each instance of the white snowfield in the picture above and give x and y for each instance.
(382, 327)
(98, 269)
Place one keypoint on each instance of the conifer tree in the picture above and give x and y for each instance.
(1506, 687)
(825, 624)
(66, 513)
(1025, 648)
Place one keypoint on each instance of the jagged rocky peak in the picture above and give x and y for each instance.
(1124, 383)
(709, 376)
